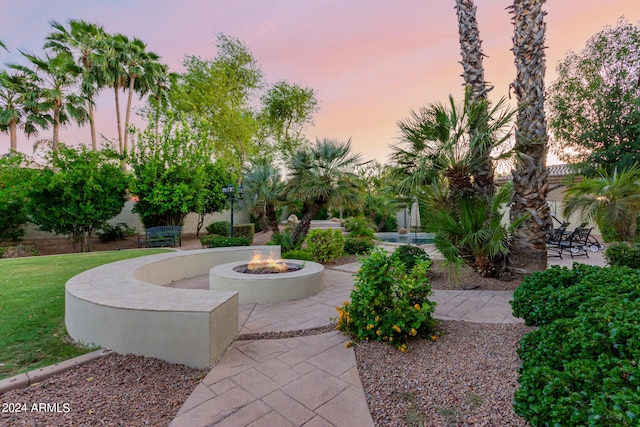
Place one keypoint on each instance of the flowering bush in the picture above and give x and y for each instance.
(389, 302)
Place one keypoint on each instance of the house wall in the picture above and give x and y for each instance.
(240, 216)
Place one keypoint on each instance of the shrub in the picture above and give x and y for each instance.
(298, 254)
(623, 254)
(244, 230)
(410, 255)
(358, 226)
(325, 245)
(558, 292)
(580, 366)
(358, 245)
(389, 302)
(285, 240)
(215, 241)
(220, 228)
(111, 233)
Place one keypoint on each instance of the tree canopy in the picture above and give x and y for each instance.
(594, 104)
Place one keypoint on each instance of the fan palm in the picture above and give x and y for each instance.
(83, 40)
(56, 76)
(528, 248)
(449, 140)
(19, 107)
(263, 191)
(323, 175)
(608, 199)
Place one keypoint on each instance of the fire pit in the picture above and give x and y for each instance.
(261, 281)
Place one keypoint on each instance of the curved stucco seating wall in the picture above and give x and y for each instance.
(120, 306)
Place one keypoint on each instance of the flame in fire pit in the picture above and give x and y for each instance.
(258, 262)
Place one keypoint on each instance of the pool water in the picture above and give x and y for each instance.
(412, 238)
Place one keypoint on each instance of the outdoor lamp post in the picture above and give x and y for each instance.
(228, 190)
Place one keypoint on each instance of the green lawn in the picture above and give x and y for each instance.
(32, 331)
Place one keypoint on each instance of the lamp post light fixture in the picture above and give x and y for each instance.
(229, 191)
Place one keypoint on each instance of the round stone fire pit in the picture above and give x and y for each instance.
(303, 279)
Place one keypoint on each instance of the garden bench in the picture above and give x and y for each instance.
(161, 236)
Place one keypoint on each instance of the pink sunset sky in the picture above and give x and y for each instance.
(371, 62)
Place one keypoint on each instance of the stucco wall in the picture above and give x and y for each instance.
(240, 216)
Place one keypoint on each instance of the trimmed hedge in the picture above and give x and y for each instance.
(579, 368)
(215, 241)
(244, 230)
(220, 228)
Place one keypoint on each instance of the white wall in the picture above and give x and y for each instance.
(240, 216)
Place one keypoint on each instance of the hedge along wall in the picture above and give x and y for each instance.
(240, 216)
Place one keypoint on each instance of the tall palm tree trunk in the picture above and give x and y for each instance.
(13, 137)
(473, 74)
(56, 129)
(92, 126)
(128, 114)
(118, 119)
(528, 248)
(301, 230)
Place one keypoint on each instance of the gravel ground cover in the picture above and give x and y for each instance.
(114, 390)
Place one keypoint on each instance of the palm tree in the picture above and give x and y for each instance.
(83, 40)
(114, 49)
(4, 46)
(142, 68)
(324, 174)
(263, 191)
(19, 107)
(473, 74)
(608, 199)
(56, 78)
(450, 140)
(528, 247)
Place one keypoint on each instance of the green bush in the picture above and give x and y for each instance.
(579, 367)
(298, 254)
(111, 233)
(389, 303)
(244, 230)
(623, 254)
(358, 245)
(410, 255)
(215, 241)
(325, 245)
(558, 292)
(358, 226)
(220, 228)
(284, 240)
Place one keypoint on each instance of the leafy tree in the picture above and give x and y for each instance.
(263, 187)
(287, 110)
(210, 198)
(76, 193)
(611, 198)
(215, 97)
(83, 40)
(594, 104)
(14, 183)
(19, 107)
(322, 176)
(528, 246)
(172, 179)
(56, 77)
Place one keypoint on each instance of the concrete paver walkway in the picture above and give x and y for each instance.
(311, 380)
